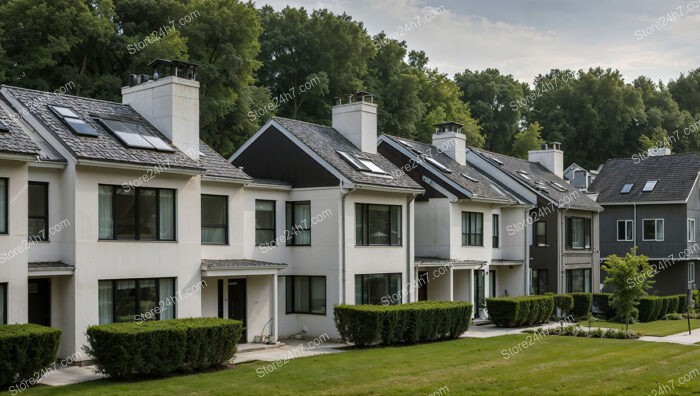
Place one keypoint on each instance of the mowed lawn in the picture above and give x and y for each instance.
(555, 365)
(658, 328)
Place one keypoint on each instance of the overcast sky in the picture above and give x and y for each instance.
(529, 37)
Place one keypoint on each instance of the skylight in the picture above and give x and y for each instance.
(362, 163)
(496, 160)
(649, 186)
(626, 188)
(374, 168)
(524, 174)
(136, 135)
(559, 187)
(3, 127)
(74, 122)
(438, 165)
(466, 176)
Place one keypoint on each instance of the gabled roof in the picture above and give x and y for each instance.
(477, 185)
(539, 179)
(217, 166)
(325, 142)
(14, 140)
(675, 177)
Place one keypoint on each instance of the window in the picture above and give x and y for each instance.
(540, 281)
(653, 229)
(578, 233)
(214, 219)
(578, 280)
(691, 230)
(298, 216)
(306, 294)
(135, 134)
(146, 214)
(38, 210)
(127, 300)
(492, 280)
(691, 272)
(472, 229)
(264, 222)
(3, 303)
(362, 163)
(3, 127)
(74, 122)
(378, 289)
(3, 205)
(495, 231)
(649, 186)
(624, 230)
(626, 188)
(377, 225)
(540, 234)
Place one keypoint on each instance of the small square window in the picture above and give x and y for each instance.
(649, 186)
(626, 188)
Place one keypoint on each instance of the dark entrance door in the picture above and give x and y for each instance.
(422, 285)
(237, 303)
(40, 301)
(479, 291)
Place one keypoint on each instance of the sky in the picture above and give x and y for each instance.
(524, 38)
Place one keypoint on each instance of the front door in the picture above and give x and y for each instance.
(40, 301)
(479, 291)
(237, 303)
(422, 285)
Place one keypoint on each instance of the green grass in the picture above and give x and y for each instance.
(658, 328)
(554, 365)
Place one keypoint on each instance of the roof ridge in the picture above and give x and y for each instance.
(65, 95)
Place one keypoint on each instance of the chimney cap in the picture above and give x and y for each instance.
(448, 126)
(358, 96)
(174, 67)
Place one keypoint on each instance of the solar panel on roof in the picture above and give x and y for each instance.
(135, 134)
(64, 112)
(80, 127)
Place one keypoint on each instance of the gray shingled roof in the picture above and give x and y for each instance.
(15, 141)
(209, 265)
(482, 188)
(325, 141)
(675, 175)
(539, 174)
(218, 166)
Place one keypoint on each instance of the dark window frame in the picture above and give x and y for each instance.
(295, 226)
(289, 281)
(629, 226)
(274, 224)
(137, 231)
(542, 285)
(388, 294)
(467, 237)
(45, 217)
(538, 242)
(137, 297)
(226, 220)
(656, 229)
(587, 233)
(570, 280)
(495, 224)
(3, 318)
(364, 209)
(6, 207)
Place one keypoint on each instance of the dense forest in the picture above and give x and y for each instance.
(300, 60)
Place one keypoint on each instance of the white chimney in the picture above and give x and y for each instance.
(659, 151)
(170, 101)
(449, 139)
(551, 158)
(357, 120)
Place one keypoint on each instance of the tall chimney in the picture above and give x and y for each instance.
(169, 99)
(551, 158)
(449, 139)
(356, 119)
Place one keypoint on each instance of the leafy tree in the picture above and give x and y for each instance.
(631, 277)
(529, 139)
(686, 91)
(495, 102)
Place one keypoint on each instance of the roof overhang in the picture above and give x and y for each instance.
(642, 203)
(43, 269)
(428, 262)
(239, 267)
(218, 179)
(138, 167)
(506, 263)
(23, 157)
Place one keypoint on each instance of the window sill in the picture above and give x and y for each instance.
(306, 313)
(215, 244)
(371, 246)
(475, 246)
(133, 240)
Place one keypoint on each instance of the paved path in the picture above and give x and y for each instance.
(680, 338)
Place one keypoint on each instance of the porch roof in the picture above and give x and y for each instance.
(48, 268)
(229, 267)
(441, 262)
(501, 263)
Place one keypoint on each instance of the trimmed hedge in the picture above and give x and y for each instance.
(519, 311)
(582, 305)
(410, 323)
(682, 303)
(565, 302)
(156, 348)
(602, 301)
(655, 307)
(26, 349)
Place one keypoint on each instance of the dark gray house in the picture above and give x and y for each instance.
(653, 203)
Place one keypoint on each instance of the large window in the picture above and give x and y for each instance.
(578, 233)
(472, 229)
(691, 272)
(578, 280)
(127, 300)
(3, 303)
(146, 214)
(653, 229)
(214, 219)
(540, 281)
(625, 228)
(377, 225)
(378, 289)
(540, 233)
(306, 294)
(298, 216)
(38, 209)
(264, 222)
(3, 205)
(495, 231)
(691, 230)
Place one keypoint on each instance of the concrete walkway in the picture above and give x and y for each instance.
(71, 375)
(680, 338)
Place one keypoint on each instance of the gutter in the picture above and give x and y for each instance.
(120, 165)
(409, 267)
(343, 239)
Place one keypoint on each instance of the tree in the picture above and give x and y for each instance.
(529, 139)
(631, 277)
(686, 91)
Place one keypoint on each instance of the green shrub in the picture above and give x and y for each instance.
(503, 311)
(602, 301)
(673, 316)
(155, 348)
(649, 308)
(563, 302)
(582, 305)
(410, 323)
(696, 298)
(682, 303)
(672, 304)
(663, 309)
(519, 311)
(26, 349)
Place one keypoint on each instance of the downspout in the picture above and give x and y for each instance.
(527, 275)
(560, 265)
(634, 225)
(342, 240)
(409, 269)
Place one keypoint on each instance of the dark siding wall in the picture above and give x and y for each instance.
(546, 257)
(608, 230)
(694, 213)
(273, 156)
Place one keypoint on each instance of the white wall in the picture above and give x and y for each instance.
(457, 251)
(431, 230)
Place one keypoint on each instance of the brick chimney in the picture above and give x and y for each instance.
(449, 139)
(356, 119)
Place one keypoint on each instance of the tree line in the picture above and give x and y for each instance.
(259, 62)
